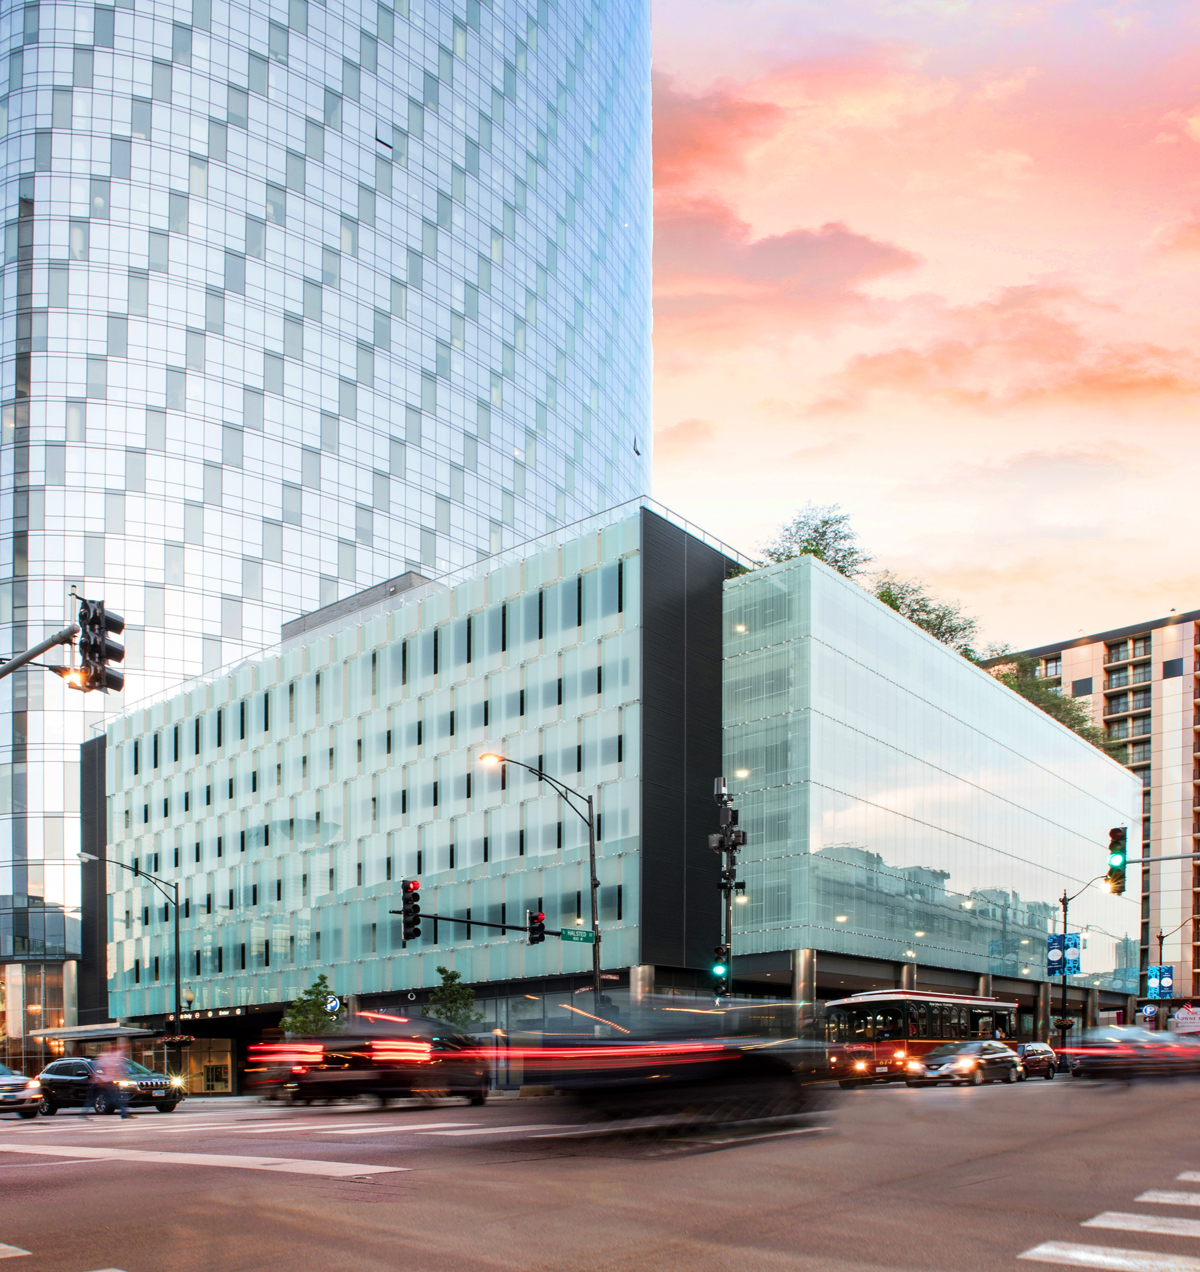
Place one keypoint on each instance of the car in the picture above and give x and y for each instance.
(18, 1093)
(386, 1057)
(72, 1083)
(1037, 1060)
(965, 1063)
(1124, 1052)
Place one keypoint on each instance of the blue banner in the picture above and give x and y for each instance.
(1160, 981)
(1062, 954)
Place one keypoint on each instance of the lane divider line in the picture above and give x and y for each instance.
(287, 1165)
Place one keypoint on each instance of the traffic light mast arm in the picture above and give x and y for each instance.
(507, 927)
(65, 637)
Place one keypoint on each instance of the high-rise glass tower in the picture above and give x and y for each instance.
(297, 296)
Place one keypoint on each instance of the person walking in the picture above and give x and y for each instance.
(112, 1071)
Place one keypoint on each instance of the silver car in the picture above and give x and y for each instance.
(19, 1094)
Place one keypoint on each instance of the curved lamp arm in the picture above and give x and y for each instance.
(491, 757)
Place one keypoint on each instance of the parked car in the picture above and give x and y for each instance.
(965, 1064)
(18, 1093)
(72, 1083)
(1038, 1060)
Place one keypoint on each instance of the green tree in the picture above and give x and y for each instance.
(823, 531)
(307, 1014)
(1019, 673)
(943, 620)
(453, 1002)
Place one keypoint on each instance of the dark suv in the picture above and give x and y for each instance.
(1037, 1060)
(72, 1083)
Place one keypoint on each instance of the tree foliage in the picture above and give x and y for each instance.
(1019, 673)
(943, 620)
(453, 1002)
(307, 1014)
(823, 531)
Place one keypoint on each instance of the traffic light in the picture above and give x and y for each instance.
(537, 928)
(97, 650)
(410, 903)
(720, 969)
(1118, 855)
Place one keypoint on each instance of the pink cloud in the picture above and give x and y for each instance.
(682, 440)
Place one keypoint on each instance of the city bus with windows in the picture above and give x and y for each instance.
(871, 1037)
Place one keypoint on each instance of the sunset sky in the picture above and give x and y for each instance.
(938, 261)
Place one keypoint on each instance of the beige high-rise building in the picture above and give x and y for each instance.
(1141, 684)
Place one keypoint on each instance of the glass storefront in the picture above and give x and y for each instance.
(32, 997)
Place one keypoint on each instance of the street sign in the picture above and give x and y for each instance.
(1149, 1009)
(586, 935)
(1062, 954)
(1160, 981)
(1187, 1019)
(332, 1003)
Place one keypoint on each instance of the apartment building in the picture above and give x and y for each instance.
(1141, 684)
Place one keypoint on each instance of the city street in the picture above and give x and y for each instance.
(999, 1177)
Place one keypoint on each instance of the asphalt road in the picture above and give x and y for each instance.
(927, 1180)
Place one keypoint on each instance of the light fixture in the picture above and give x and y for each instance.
(489, 757)
(86, 856)
(966, 905)
(1025, 941)
(189, 997)
(741, 627)
(579, 920)
(918, 934)
(741, 898)
(742, 773)
(1024, 971)
(910, 953)
(841, 918)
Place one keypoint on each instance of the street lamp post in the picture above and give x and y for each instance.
(589, 820)
(173, 896)
(1065, 901)
(1161, 936)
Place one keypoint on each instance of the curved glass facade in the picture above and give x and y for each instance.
(297, 296)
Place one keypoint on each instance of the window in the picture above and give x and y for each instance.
(1052, 665)
(1117, 652)
(1141, 646)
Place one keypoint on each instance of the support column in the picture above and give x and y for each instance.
(1092, 1017)
(985, 985)
(1041, 1026)
(1131, 1009)
(641, 982)
(908, 976)
(804, 991)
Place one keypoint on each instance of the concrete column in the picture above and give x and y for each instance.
(1042, 1021)
(908, 976)
(641, 982)
(985, 985)
(1131, 1007)
(804, 990)
(1092, 1016)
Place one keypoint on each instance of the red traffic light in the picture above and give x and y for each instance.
(411, 885)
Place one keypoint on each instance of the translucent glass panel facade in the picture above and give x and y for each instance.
(296, 296)
(290, 797)
(900, 803)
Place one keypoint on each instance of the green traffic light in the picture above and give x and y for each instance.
(719, 969)
(1116, 859)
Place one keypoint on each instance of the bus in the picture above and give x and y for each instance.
(871, 1037)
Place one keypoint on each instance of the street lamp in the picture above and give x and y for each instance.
(589, 820)
(1064, 901)
(173, 896)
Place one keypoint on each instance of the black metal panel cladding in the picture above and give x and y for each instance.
(93, 837)
(681, 743)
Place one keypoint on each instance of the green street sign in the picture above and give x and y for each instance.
(586, 935)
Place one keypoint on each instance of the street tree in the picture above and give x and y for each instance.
(823, 531)
(453, 1002)
(307, 1014)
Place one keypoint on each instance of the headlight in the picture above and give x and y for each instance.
(177, 1082)
(915, 1064)
(860, 1064)
(899, 1055)
(33, 1085)
(964, 1063)
(126, 1084)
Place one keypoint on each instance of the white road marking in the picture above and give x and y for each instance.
(1170, 1198)
(1109, 1257)
(497, 1130)
(1144, 1223)
(399, 1129)
(288, 1165)
(298, 1126)
(11, 1252)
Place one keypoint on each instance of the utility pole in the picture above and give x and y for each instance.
(726, 842)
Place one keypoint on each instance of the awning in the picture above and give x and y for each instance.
(85, 1033)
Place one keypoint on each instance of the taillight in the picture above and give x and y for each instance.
(308, 1053)
(399, 1050)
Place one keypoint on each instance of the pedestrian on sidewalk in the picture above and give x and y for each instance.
(112, 1072)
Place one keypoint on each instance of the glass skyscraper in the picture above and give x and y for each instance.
(298, 296)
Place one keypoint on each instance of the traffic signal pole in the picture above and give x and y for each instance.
(65, 637)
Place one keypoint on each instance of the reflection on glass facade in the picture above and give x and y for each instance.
(900, 803)
(297, 295)
(291, 796)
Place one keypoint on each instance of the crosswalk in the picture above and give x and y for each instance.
(15, 1252)
(273, 1126)
(1120, 1259)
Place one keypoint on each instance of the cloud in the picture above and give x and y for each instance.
(705, 131)
(682, 439)
(711, 275)
(1184, 236)
(1031, 345)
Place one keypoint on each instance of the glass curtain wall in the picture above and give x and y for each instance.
(901, 804)
(296, 296)
(291, 797)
